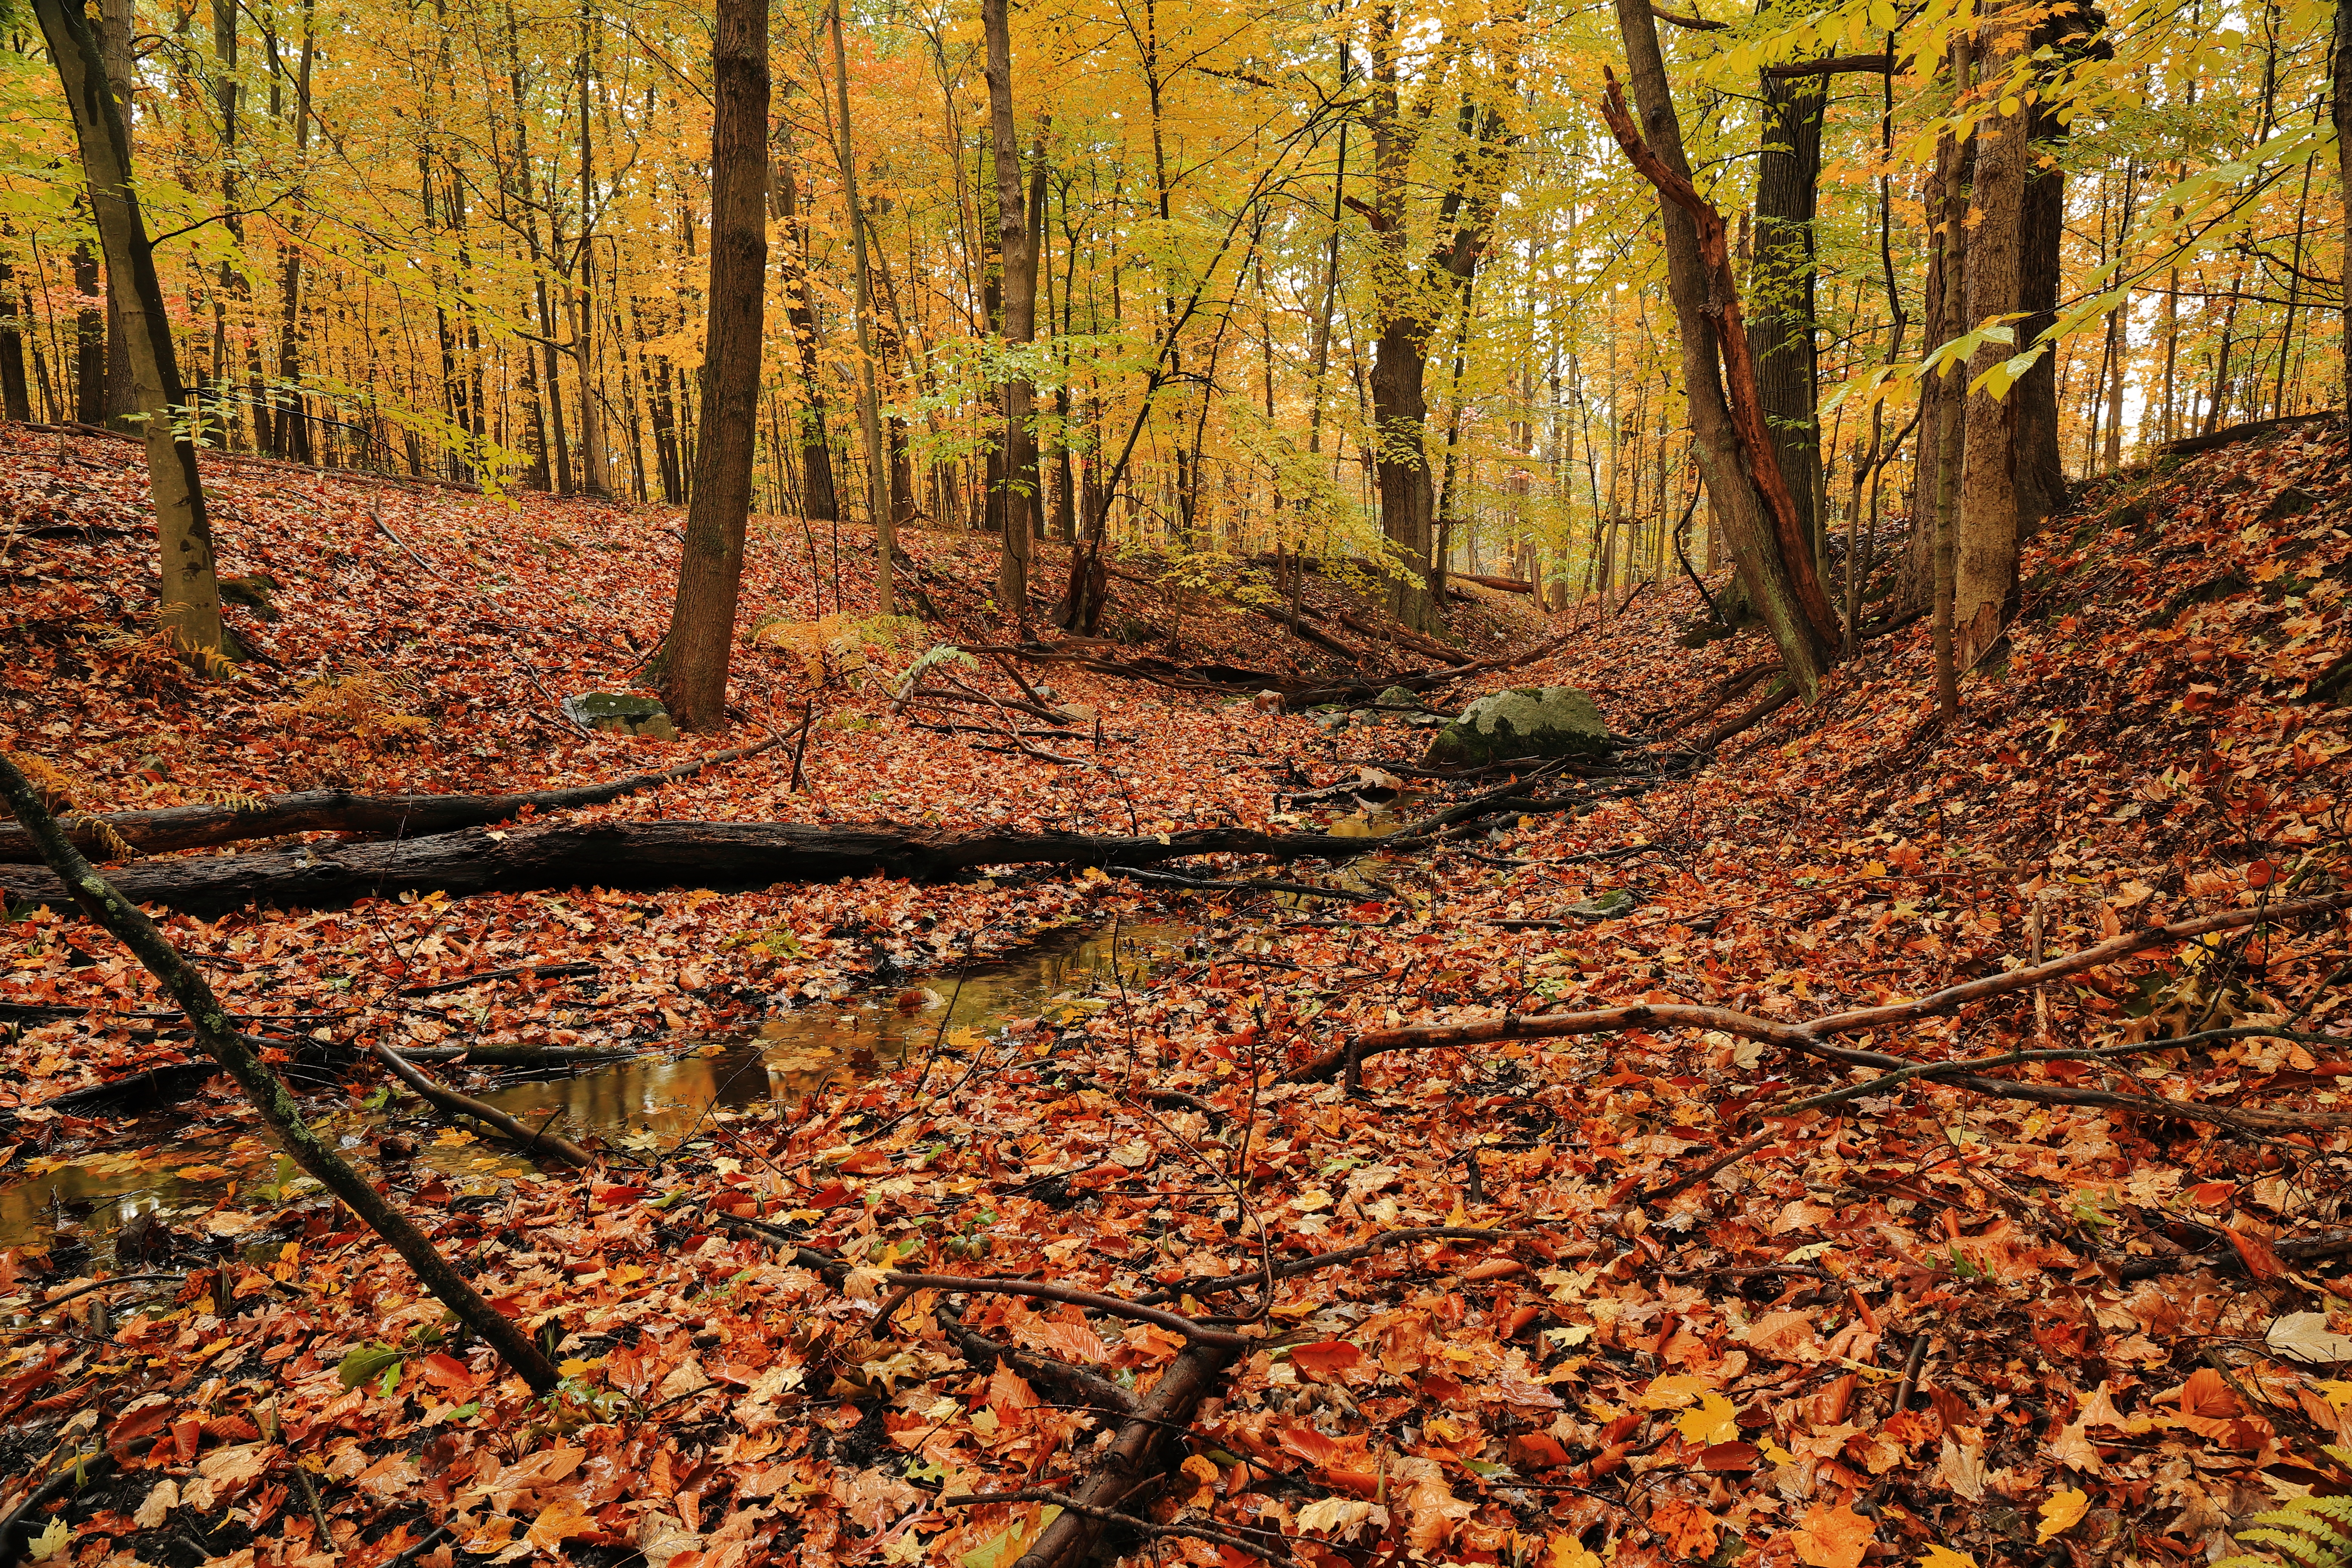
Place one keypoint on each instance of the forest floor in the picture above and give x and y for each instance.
(1931, 1320)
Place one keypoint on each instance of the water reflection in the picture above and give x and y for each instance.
(84, 1198)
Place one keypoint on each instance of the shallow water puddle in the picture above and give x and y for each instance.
(77, 1202)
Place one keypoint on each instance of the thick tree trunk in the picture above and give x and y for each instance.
(2041, 225)
(710, 568)
(91, 323)
(1732, 446)
(1984, 579)
(1018, 465)
(1780, 316)
(190, 593)
(1400, 415)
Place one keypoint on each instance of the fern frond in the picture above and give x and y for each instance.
(2307, 1532)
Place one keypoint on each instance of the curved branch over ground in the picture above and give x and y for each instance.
(1811, 1038)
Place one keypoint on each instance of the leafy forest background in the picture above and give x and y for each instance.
(1271, 244)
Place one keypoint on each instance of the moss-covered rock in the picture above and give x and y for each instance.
(1524, 721)
(621, 712)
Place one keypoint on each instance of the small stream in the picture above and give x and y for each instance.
(75, 1203)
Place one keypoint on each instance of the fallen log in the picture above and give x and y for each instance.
(2229, 435)
(340, 811)
(1502, 584)
(641, 855)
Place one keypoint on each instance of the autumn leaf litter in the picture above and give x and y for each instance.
(1708, 1378)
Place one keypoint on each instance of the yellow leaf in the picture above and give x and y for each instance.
(1945, 1557)
(1672, 1393)
(1567, 1551)
(2062, 1511)
(2337, 1391)
(1712, 1420)
(50, 1541)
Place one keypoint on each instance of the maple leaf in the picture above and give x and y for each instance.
(1713, 1419)
(559, 1522)
(1833, 1537)
(2063, 1512)
(1687, 1530)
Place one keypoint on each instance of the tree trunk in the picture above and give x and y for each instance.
(2042, 224)
(1780, 316)
(1729, 440)
(115, 47)
(15, 395)
(1984, 574)
(870, 410)
(711, 566)
(1944, 297)
(595, 477)
(2339, 106)
(818, 502)
(91, 322)
(1017, 393)
(189, 591)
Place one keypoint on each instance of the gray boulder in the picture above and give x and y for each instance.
(1524, 721)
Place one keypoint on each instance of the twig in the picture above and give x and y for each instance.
(1911, 1364)
(1113, 1306)
(311, 1495)
(1112, 1516)
(523, 970)
(1217, 1284)
(530, 673)
(416, 1548)
(1093, 1389)
(449, 1099)
(1811, 1036)
(14, 1528)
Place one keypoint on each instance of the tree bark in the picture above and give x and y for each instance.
(15, 394)
(1019, 257)
(711, 567)
(189, 591)
(1984, 574)
(818, 501)
(1729, 440)
(1780, 318)
(2339, 107)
